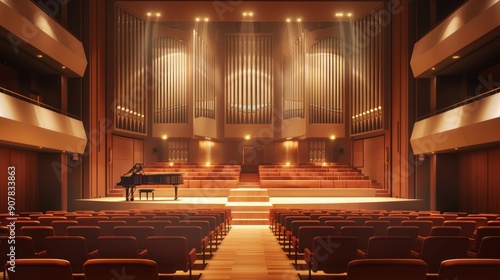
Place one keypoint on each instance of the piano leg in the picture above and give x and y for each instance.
(175, 190)
(132, 191)
(129, 193)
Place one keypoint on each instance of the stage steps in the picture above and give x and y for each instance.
(249, 206)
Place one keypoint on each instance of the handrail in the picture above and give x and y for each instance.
(36, 102)
(461, 103)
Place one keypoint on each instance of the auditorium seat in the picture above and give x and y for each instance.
(158, 225)
(107, 226)
(294, 231)
(194, 237)
(362, 233)
(306, 236)
(482, 232)
(47, 221)
(489, 248)
(424, 227)
(106, 269)
(139, 232)
(380, 227)
(467, 227)
(19, 224)
(436, 249)
(330, 254)
(338, 224)
(446, 231)
(70, 248)
(60, 226)
(171, 253)
(38, 234)
(42, 269)
(125, 247)
(90, 221)
(387, 247)
(469, 269)
(90, 233)
(387, 269)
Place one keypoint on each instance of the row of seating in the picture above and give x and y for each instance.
(329, 240)
(201, 176)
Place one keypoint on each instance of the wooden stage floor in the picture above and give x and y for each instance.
(205, 202)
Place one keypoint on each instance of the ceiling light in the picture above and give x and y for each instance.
(455, 57)
(299, 20)
(63, 67)
(247, 137)
(149, 14)
(158, 14)
(197, 19)
(289, 138)
(39, 55)
(164, 137)
(433, 68)
(349, 14)
(288, 20)
(206, 19)
(332, 137)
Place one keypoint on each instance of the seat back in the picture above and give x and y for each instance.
(467, 227)
(19, 224)
(90, 233)
(41, 269)
(139, 232)
(107, 226)
(446, 231)
(169, 252)
(436, 220)
(389, 247)
(480, 221)
(299, 223)
(106, 269)
(308, 233)
(173, 219)
(47, 221)
(424, 227)
(387, 269)
(380, 227)
(482, 232)
(394, 220)
(332, 254)
(436, 249)
(90, 221)
(61, 226)
(204, 225)
(489, 248)
(359, 220)
(38, 234)
(191, 233)
(117, 247)
(325, 218)
(363, 233)
(338, 224)
(470, 269)
(70, 248)
(411, 231)
(130, 220)
(158, 225)
(290, 219)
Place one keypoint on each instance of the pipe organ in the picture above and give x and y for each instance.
(294, 73)
(249, 79)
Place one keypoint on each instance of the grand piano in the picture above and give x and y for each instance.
(136, 177)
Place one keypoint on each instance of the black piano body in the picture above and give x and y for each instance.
(130, 182)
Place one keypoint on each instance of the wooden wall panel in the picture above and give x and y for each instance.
(494, 181)
(26, 179)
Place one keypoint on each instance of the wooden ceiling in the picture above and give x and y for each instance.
(263, 11)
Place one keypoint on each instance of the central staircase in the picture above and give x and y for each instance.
(249, 204)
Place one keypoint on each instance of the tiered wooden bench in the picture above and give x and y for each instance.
(312, 176)
(201, 176)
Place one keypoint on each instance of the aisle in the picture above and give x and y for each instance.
(249, 252)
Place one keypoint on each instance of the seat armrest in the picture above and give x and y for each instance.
(308, 256)
(143, 254)
(41, 254)
(192, 257)
(362, 254)
(94, 254)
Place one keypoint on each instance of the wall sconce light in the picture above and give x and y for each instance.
(248, 137)
(332, 137)
(164, 137)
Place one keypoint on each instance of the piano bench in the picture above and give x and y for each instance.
(147, 192)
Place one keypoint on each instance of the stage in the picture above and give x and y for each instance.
(254, 199)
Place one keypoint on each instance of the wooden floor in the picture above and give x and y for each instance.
(249, 252)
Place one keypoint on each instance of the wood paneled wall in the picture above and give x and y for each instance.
(479, 181)
(27, 182)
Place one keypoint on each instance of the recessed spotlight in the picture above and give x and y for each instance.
(332, 137)
(299, 19)
(433, 68)
(197, 19)
(289, 138)
(158, 15)
(250, 14)
(349, 14)
(248, 137)
(455, 57)
(149, 14)
(39, 55)
(288, 20)
(164, 137)
(206, 19)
